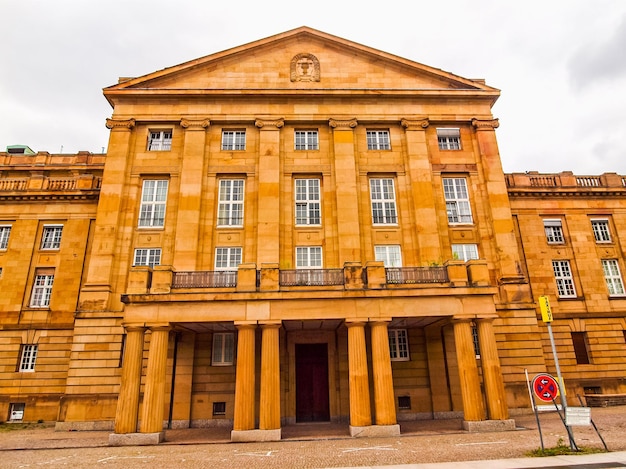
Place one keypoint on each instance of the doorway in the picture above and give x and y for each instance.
(312, 399)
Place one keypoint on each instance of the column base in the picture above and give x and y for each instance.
(485, 426)
(375, 431)
(136, 439)
(243, 436)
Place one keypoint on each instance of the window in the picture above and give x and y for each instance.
(383, 199)
(465, 252)
(306, 140)
(149, 257)
(160, 140)
(230, 208)
(378, 140)
(398, 344)
(564, 279)
(5, 232)
(153, 200)
(42, 289)
(309, 257)
(579, 339)
(308, 202)
(449, 139)
(554, 231)
(233, 139)
(16, 412)
(227, 258)
(223, 349)
(475, 340)
(601, 231)
(28, 357)
(613, 277)
(51, 237)
(390, 255)
(219, 408)
(457, 200)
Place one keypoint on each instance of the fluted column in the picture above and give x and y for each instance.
(244, 379)
(360, 411)
(153, 408)
(269, 418)
(492, 375)
(473, 407)
(127, 411)
(384, 401)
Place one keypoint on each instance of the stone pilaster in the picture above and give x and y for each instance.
(473, 407)
(153, 406)
(348, 227)
(127, 411)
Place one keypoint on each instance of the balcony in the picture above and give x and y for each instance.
(206, 279)
(413, 275)
(311, 277)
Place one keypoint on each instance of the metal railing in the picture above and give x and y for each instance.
(410, 275)
(204, 279)
(311, 277)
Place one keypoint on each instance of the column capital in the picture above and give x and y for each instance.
(486, 318)
(134, 327)
(243, 325)
(355, 322)
(485, 124)
(271, 324)
(194, 124)
(269, 122)
(350, 123)
(120, 124)
(374, 321)
(418, 123)
(159, 327)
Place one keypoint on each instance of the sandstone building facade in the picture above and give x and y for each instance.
(300, 229)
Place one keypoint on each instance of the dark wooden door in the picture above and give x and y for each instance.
(312, 401)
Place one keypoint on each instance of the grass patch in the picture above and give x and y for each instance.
(562, 449)
(11, 427)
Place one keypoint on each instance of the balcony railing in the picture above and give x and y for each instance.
(204, 279)
(409, 275)
(311, 277)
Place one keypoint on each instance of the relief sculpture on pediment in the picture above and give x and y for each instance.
(305, 67)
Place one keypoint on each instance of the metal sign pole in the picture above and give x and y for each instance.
(532, 402)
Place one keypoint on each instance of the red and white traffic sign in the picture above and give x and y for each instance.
(545, 387)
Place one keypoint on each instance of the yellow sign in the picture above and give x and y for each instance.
(544, 306)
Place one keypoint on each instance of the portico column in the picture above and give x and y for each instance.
(152, 410)
(360, 411)
(127, 410)
(269, 418)
(244, 379)
(473, 407)
(383, 381)
(492, 375)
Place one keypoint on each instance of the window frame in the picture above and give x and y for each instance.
(51, 235)
(233, 140)
(5, 235)
(306, 140)
(465, 252)
(153, 202)
(28, 358)
(449, 138)
(458, 205)
(313, 254)
(564, 278)
(230, 209)
(553, 228)
(384, 209)
(601, 230)
(226, 355)
(308, 210)
(160, 139)
(41, 291)
(613, 277)
(389, 254)
(226, 253)
(398, 346)
(152, 257)
(378, 139)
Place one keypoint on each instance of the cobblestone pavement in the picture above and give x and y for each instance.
(316, 446)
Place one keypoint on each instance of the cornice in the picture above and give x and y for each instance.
(415, 124)
(263, 122)
(343, 123)
(115, 124)
(537, 193)
(52, 197)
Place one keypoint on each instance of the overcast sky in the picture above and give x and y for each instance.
(561, 64)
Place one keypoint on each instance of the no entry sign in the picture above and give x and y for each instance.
(545, 387)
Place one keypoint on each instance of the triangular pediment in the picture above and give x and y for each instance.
(302, 60)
